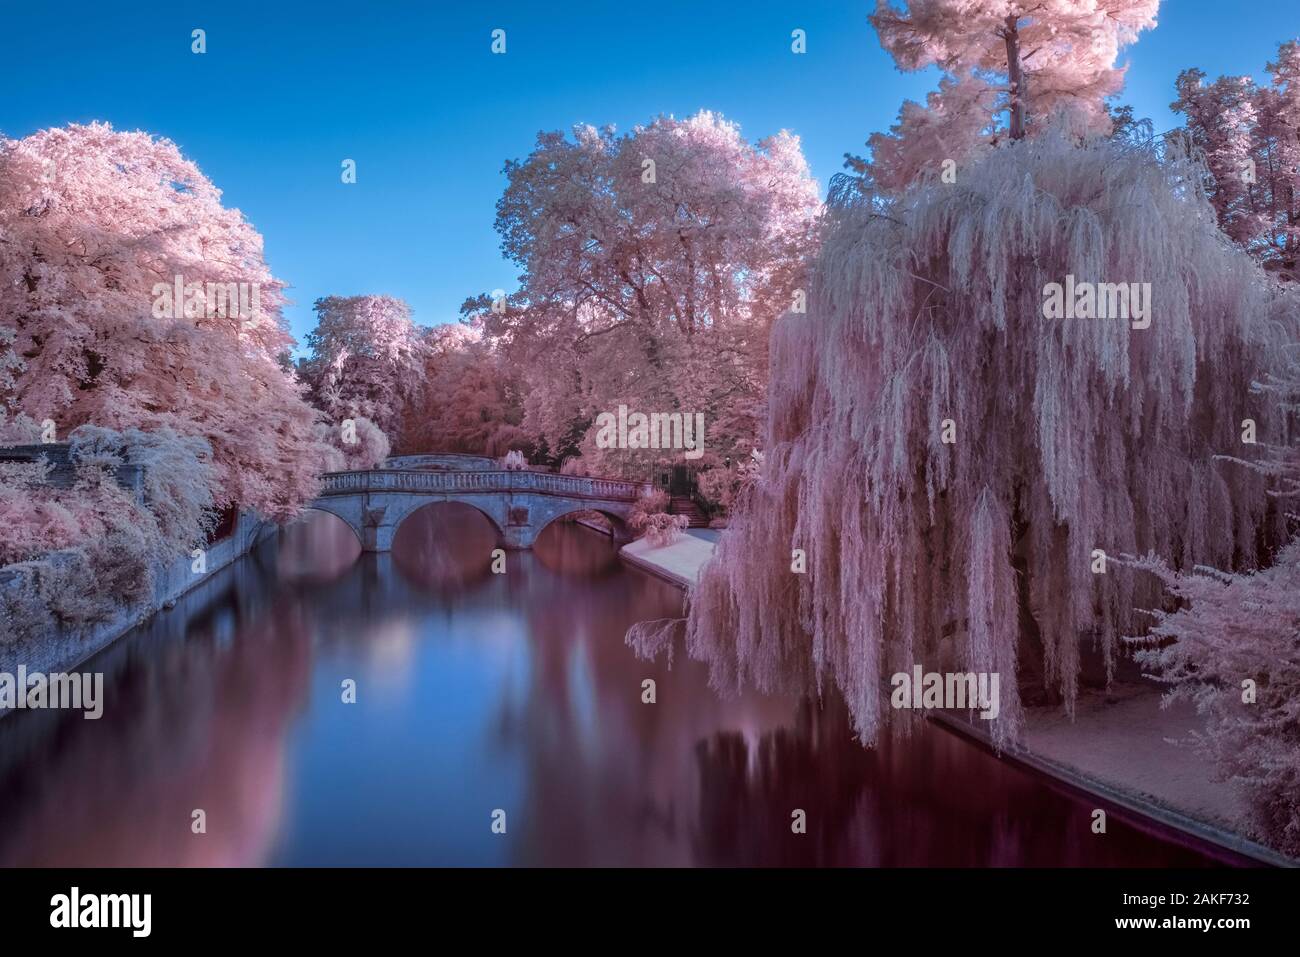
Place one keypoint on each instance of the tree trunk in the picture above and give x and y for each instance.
(1016, 79)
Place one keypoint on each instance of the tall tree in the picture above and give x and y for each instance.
(98, 229)
(366, 359)
(471, 401)
(957, 466)
(1010, 67)
(1250, 138)
(654, 263)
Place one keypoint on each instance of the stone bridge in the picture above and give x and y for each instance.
(519, 504)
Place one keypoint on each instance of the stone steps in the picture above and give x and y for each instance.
(685, 505)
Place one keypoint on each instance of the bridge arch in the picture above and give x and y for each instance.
(340, 510)
(622, 532)
(318, 546)
(422, 505)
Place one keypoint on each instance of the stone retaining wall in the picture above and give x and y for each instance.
(63, 651)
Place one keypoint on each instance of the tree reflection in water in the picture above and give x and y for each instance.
(478, 691)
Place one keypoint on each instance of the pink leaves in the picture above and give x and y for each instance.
(647, 257)
(650, 516)
(970, 548)
(99, 220)
(367, 360)
(1250, 139)
(1058, 61)
(1232, 649)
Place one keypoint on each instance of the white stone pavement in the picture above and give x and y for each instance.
(679, 563)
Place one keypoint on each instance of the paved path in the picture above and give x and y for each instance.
(679, 563)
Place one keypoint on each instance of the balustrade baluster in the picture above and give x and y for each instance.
(497, 480)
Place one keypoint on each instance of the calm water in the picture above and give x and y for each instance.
(478, 692)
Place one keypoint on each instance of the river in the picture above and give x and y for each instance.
(481, 699)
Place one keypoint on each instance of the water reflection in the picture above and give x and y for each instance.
(198, 724)
(925, 797)
(575, 554)
(474, 692)
(445, 547)
(319, 547)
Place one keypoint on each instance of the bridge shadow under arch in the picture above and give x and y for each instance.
(618, 525)
(444, 545)
(317, 547)
(572, 549)
(424, 509)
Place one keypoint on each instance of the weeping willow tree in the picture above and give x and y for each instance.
(956, 468)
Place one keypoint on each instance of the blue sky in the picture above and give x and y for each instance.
(411, 91)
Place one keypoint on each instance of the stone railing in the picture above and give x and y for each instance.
(453, 461)
(441, 483)
(63, 470)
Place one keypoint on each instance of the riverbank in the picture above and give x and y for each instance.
(679, 563)
(65, 650)
(1120, 746)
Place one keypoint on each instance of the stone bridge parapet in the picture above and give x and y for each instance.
(519, 504)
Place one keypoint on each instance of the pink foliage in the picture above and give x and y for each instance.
(1232, 651)
(177, 478)
(727, 486)
(37, 519)
(954, 124)
(650, 516)
(1012, 68)
(73, 555)
(1250, 137)
(660, 528)
(354, 445)
(367, 360)
(655, 500)
(96, 226)
(11, 364)
(574, 465)
(655, 263)
(40, 517)
(94, 558)
(1069, 436)
(471, 401)
(19, 431)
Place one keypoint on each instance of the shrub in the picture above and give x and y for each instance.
(73, 556)
(574, 465)
(1235, 629)
(650, 515)
(368, 450)
(177, 477)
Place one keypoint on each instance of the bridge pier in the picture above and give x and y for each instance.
(518, 538)
(375, 527)
(378, 538)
